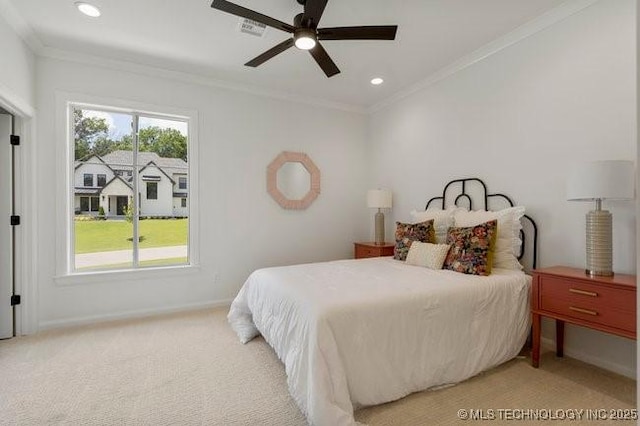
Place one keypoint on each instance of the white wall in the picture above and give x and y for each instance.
(241, 227)
(94, 169)
(518, 119)
(17, 69)
(161, 206)
(178, 210)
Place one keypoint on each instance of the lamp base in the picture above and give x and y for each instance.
(379, 228)
(599, 244)
(598, 273)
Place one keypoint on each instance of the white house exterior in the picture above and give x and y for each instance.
(107, 182)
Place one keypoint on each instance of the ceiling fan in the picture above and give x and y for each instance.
(306, 34)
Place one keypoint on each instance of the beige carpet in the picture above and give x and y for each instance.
(189, 369)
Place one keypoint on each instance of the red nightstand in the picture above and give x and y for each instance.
(370, 249)
(565, 294)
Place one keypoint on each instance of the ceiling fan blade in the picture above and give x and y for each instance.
(379, 32)
(243, 12)
(260, 59)
(313, 10)
(322, 58)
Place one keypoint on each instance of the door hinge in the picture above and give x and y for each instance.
(15, 140)
(15, 300)
(15, 220)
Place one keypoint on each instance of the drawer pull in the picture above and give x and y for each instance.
(582, 292)
(583, 311)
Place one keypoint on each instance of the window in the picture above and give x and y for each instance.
(152, 190)
(84, 204)
(182, 183)
(89, 204)
(183, 202)
(130, 145)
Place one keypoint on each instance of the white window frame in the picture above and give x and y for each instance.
(65, 260)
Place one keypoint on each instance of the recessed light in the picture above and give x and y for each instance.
(88, 9)
(377, 81)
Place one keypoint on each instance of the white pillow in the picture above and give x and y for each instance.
(428, 255)
(508, 241)
(442, 220)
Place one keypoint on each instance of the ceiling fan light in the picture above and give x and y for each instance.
(305, 38)
(88, 9)
(305, 43)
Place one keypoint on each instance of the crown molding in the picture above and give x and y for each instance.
(15, 20)
(191, 78)
(13, 103)
(544, 21)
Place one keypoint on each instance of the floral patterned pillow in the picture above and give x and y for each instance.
(406, 233)
(472, 248)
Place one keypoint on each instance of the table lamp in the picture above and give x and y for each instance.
(379, 199)
(598, 181)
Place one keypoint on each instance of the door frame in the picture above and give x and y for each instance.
(26, 273)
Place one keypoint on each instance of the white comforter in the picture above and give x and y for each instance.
(362, 332)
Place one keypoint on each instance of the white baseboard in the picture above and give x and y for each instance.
(68, 322)
(624, 370)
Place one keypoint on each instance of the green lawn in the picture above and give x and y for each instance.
(108, 235)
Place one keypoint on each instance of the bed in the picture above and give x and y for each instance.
(354, 333)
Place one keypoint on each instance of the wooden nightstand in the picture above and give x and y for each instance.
(565, 294)
(370, 249)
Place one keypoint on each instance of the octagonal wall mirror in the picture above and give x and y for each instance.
(293, 180)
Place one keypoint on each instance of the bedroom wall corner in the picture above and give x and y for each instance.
(17, 74)
(518, 119)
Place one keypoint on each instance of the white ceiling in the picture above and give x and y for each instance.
(188, 35)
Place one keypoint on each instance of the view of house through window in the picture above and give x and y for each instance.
(126, 186)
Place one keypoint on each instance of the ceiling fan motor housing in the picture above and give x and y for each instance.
(299, 21)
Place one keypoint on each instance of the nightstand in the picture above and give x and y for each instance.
(370, 249)
(568, 295)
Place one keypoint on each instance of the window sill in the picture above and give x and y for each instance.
(96, 277)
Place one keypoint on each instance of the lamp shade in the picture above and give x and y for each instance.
(601, 180)
(379, 199)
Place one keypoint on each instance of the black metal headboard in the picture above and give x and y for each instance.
(462, 194)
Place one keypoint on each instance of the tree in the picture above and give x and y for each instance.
(87, 132)
(168, 143)
(102, 146)
(92, 138)
(128, 212)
